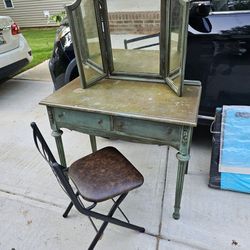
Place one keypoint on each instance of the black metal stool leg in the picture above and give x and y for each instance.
(104, 225)
(110, 214)
(68, 210)
(98, 236)
(124, 215)
(65, 215)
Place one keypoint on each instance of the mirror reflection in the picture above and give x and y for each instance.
(175, 37)
(89, 41)
(135, 37)
(112, 43)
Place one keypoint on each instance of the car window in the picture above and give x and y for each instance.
(230, 5)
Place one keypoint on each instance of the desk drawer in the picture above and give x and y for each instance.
(168, 133)
(79, 120)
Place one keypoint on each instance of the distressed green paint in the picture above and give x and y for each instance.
(143, 100)
(91, 120)
(183, 157)
(116, 126)
(132, 111)
(57, 133)
(93, 143)
(165, 133)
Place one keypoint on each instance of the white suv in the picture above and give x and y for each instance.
(15, 52)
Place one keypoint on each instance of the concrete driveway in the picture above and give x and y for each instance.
(32, 203)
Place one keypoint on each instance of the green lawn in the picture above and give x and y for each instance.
(41, 41)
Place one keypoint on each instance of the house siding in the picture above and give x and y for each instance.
(31, 13)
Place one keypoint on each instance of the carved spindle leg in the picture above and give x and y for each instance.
(183, 159)
(182, 164)
(57, 134)
(93, 143)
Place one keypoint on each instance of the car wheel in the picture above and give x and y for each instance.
(71, 72)
(74, 74)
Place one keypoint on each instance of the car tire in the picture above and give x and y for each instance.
(71, 72)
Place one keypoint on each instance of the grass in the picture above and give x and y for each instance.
(41, 41)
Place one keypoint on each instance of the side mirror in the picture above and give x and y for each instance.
(200, 9)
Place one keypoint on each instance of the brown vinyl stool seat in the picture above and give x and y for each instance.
(104, 174)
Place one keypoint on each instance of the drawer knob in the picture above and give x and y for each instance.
(120, 125)
(61, 115)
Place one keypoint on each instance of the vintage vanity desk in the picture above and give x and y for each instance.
(133, 95)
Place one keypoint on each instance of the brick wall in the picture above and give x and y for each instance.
(144, 22)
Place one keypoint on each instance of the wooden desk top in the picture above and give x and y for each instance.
(142, 100)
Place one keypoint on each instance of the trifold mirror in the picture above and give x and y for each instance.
(100, 53)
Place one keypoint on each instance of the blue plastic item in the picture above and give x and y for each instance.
(235, 182)
(234, 163)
